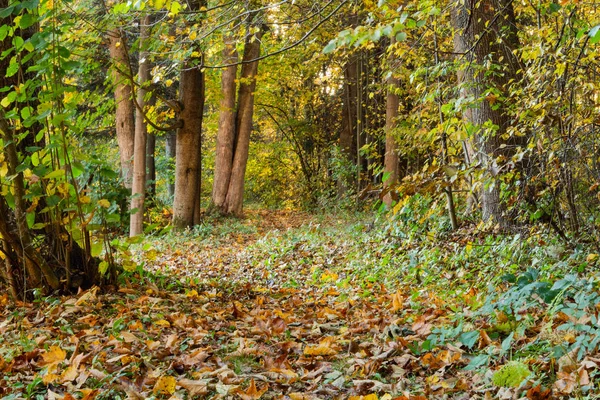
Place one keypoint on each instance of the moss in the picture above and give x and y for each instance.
(511, 374)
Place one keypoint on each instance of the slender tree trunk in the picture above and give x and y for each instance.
(348, 131)
(138, 192)
(198, 201)
(391, 161)
(170, 153)
(151, 166)
(125, 125)
(244, 116)
(485, 31)
(191, 94)
(226, 130)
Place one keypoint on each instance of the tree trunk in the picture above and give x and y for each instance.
(125, 125)
(391, 161)
(170, 153)
(243, 123)
(226, 130)
(485, 32)
(349, 125)
(151, 166)
(138, 192)
(191, 95)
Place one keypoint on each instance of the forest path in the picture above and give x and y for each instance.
(278, 305)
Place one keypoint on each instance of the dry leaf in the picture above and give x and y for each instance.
(165, 385)
(54, 355)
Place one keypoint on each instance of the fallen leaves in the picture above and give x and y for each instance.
(295, 325)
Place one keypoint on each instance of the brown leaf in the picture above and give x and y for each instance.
(278, 326)
(537, 393)
(195, 387)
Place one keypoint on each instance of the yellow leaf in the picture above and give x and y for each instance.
(54, 355)
(591, 257)
(49, 379)
(397, 301)
(165, 385)
(70, 374)
(323, 349)
(104, 203)
(162, 322)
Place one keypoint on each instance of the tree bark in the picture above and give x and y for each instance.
(125, 125)
(348, 131)
(191, 95)
(151, 166)
(485, 31)
(226, 129)
(170, 153)
(243, 123)
(391, 161)
(138, 190)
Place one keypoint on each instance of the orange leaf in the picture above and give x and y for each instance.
(397, 301)
(536, 393)
(252, 393)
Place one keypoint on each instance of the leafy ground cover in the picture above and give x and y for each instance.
(297, 306)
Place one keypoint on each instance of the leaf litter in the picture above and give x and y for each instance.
(274, 313)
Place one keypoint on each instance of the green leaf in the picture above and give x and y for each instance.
(30, 217)
(507, 343)
(29, 46)
(26, 112)
(103, 267)
(18, 42)
(5, 12)
(3, 31)
(401, 36)
(477, 362)
(55, 174)
(13, 68)
(331, 46)
(594, 34)
(469, 339)
(27, 20)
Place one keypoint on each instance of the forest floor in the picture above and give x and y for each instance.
(286, 305)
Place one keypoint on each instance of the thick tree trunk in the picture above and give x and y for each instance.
(391, 161)
(226, 129)
(486, 32)
(138, 190)
(125, 125)
(170, 153)
(191, 95)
